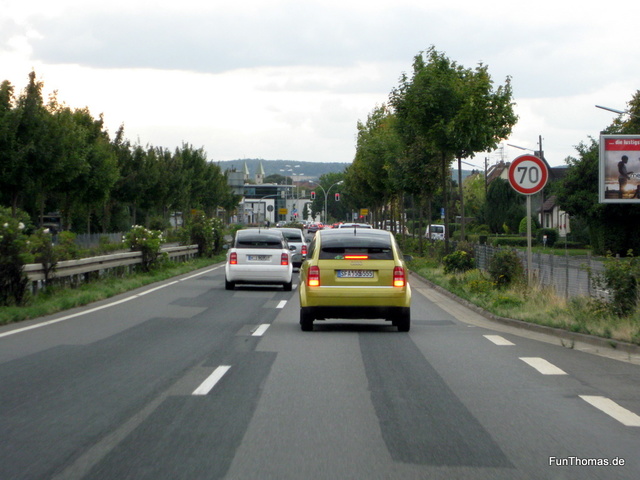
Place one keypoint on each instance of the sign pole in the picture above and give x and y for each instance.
(529, 252)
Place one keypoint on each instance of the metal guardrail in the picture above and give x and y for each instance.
(70, 268)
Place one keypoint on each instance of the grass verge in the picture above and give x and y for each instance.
(534, 304)
(58, 299)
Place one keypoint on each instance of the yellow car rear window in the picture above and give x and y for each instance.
(374, 248)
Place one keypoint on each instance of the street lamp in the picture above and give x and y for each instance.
(326, 194)
(519, 147)
(260, 201)
(619, 112)
(537, 153)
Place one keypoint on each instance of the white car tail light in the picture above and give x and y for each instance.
(303, 250)
(233, 258)
(398, 277)
(284, 259)
(313, 276)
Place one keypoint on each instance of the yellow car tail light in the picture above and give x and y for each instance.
(313, 276)
(356, 257)
(398, 277)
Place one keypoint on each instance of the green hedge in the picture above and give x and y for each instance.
(509, 241)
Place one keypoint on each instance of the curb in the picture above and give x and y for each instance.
(608, 343)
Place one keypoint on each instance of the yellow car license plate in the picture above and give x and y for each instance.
(355, 273)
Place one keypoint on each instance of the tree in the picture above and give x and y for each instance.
(67, 139)
(277, 178)
(372, 178)
(418, 176)
(474, 196)
(7, 141)
(503, 207)
(56, 158)
(454, 110)
(26, 164)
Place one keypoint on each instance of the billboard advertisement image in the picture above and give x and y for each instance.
(620, 169)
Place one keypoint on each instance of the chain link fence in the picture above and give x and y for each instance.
(571, 276)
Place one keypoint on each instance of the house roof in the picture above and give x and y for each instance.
(496, 171)
(549, 204)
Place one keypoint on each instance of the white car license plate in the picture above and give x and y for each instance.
(258, 258)
(355, 273)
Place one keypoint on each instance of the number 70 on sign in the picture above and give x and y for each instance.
(528, 174)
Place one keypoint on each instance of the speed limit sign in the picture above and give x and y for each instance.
(528, 174)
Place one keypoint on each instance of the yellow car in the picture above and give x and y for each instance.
(355, 273)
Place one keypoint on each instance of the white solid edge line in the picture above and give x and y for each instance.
(543, 366)
(67, 317)
(260, 330)
(498, 340)
(206, 386)
(282, 304)
(200, 273)
(160, 287)
(611, 408)
(102, 307)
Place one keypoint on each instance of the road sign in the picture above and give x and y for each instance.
(528, 174)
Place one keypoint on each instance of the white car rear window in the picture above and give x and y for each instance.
(258, 241)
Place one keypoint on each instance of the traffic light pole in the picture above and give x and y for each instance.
(326, 195)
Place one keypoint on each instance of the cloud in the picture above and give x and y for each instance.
(278, 76)
(211, 43)
(308, 35)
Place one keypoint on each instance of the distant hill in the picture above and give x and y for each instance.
(301, 170)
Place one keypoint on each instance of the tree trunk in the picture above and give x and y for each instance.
(445, 196)
(462, 235)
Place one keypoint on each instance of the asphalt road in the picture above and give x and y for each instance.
(185, 380)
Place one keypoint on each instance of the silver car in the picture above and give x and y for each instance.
(259, 256)
(297, 242)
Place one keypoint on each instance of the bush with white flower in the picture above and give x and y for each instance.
(13, 257)
(149, 242)
(207, 233)
(44, 252)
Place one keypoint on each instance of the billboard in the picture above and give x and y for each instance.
(619, 169)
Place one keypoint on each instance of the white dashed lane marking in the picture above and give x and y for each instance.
(206, 386)
(258, 332)
(543, 366)
(282, 304)
(498, 340)
(611, 408)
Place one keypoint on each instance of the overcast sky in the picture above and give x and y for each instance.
(290, 79)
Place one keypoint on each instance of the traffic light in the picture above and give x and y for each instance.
(337, 197)
(313, 195)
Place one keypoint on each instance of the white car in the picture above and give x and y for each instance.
(259, 256)
(435, 232)
(297, 243)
